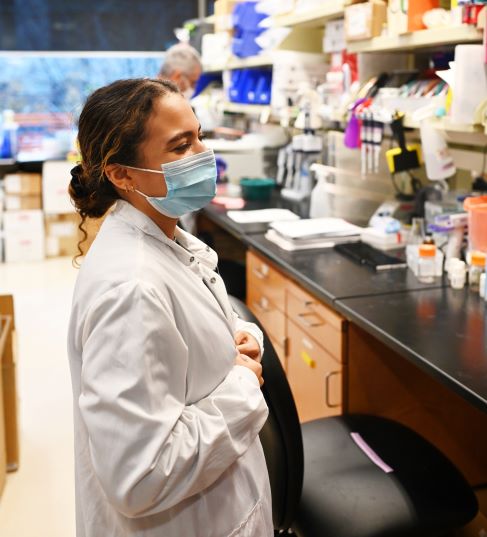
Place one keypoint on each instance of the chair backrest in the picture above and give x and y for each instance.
(281, 435)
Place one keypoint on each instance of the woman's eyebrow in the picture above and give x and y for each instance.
(180, 135)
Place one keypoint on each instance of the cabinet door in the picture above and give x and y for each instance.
(314, 375)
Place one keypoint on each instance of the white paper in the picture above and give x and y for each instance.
(262, 216)
(316, 227)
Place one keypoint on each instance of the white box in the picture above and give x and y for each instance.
(55, 182)
(24, 236)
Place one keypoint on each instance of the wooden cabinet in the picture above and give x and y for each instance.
(314, 375)
(266, 299)
(308, 336)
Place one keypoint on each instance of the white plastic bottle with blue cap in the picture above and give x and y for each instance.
(9, 142)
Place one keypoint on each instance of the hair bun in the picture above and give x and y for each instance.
(76, 184)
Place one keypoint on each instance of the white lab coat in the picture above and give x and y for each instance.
(166, 426)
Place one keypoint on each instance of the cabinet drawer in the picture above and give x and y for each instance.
(273, 320)
(264, 277)
(316, 320)
(314, 375)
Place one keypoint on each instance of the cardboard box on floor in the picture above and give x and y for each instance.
(5, 332)
(3, 444)
(9, 399)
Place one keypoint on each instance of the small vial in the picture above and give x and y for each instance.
(426, 263)
(477, 268)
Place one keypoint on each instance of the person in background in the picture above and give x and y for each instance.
(182, 65)
(166, 378)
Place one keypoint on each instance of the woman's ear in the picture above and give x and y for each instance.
(119, 177)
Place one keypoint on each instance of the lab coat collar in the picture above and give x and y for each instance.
(189, 246)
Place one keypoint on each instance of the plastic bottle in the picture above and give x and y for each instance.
(426, 263)
(9, 147)
(477, 268)
(415, 238)
(458, 275)
(319, 206)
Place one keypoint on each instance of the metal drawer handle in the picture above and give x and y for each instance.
(261, 307)
(327, 389)
(261, 274)
(302, 317)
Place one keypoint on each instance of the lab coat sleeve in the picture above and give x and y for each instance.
(149, 449)
(251, 328)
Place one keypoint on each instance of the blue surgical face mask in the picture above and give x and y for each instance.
(191, 184)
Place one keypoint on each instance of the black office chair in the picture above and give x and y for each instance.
(354, 475)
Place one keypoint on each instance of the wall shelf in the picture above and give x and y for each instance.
(445, 125)
(422, 39)
(316, 18)
(250, 109)
(239, 63)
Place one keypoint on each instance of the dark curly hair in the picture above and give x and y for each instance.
(111, 128)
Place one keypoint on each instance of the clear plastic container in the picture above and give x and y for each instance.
(458, 275)
(426, 263)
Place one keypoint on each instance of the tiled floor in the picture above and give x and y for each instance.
(38, 500)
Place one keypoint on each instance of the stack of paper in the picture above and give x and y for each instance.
(313, 233)
(259, 220)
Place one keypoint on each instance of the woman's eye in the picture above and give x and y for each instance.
(202, 137)
(182, 148)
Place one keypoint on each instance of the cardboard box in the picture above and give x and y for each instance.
(9, 382)
(55, 182)
(3, 450)
(63, 234)
(397, 18)
(365, 21)
(5, 328)
(223, 14)
(15, 202)
(23, 184)
(9, 386)
(24, 236)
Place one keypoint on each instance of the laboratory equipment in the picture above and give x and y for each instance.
(476, 269)
(426, 263)
(458, 274)
(306, 148)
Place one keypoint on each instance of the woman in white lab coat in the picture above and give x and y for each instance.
(166, 378)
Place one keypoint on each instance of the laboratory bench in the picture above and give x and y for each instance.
(354, 340)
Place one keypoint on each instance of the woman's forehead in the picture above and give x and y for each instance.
(171, 115)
